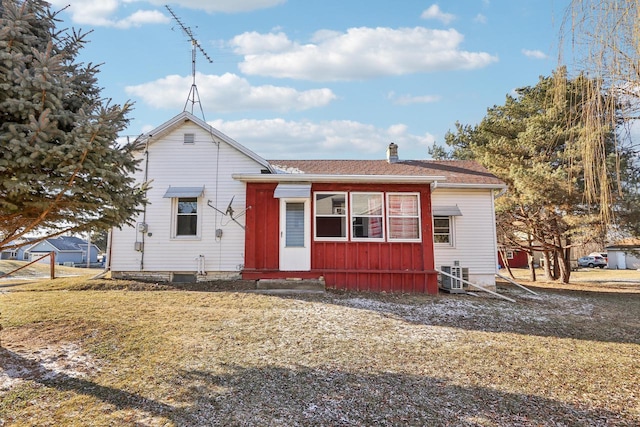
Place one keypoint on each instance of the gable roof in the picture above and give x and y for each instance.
(63, 243)
(629, 243)
(171, 124)
(447, 173)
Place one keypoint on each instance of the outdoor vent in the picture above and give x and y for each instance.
(189, 138)
(453, 284)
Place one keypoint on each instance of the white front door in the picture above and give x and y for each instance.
(295, 235)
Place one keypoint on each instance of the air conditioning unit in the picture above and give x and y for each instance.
(453, 284)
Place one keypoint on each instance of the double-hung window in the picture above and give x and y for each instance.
(331, 216)
(442, 231)
(403, 216)
(185, 207)
(186, 223)
(367, 221)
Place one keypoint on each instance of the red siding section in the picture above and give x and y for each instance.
(519, 260)
(261, 228)
(361, 266)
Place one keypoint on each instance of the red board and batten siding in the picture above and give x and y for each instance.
(362, 266)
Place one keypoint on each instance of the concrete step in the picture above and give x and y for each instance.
(291, 284)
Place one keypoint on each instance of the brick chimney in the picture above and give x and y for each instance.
(392, 153)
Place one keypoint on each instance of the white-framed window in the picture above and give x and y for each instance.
(186, 221)
(367, 216)
(189, 138)
(443, 230)
(509, 254)
(330, 215)
(403, 216)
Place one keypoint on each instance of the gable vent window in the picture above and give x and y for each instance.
(189, 138)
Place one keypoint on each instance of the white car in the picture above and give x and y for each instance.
(592, 261)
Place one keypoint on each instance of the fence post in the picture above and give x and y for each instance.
(53, 265)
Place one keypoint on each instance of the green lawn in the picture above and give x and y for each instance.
(103, 353)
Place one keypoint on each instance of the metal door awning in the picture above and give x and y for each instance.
(301, 191)
(446, 211)
(183, 192)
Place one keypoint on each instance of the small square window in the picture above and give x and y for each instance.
(189, 138)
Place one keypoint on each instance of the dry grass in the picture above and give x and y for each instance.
(185, 358)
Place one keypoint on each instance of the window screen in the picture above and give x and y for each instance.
(187, 218)
(295, 225)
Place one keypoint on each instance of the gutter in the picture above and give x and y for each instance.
(304, 177)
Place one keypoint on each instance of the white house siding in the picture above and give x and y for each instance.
(474, 233)
(618, 259)
(208, 162)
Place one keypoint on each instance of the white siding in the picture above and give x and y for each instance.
(207, 162)
(474, 233)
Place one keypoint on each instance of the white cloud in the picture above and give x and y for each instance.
(480, 19)
(336, 139)
(141, 17)
(254, 43)
(434, 12)
(357, 54)
(536, 54)
(412, 99)
(225, 6)
(100, 13)
(104, 13)
(228, 93)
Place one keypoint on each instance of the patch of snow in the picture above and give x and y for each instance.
(44, 364)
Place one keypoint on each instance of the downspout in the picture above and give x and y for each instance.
(495, 232)
(144, 208)
(107, 264)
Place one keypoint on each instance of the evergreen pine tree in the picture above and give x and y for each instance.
(61, 168)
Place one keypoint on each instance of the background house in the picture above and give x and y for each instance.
(515, 258)
(17, 252)
(624, 255)
(68, 250)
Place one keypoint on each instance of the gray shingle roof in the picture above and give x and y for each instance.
(455, 171)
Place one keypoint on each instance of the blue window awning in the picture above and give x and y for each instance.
(183, 192)
(300, 191)
(446, 211)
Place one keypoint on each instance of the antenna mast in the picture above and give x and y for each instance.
(194, 96)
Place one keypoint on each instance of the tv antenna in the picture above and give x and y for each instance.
(194, 96)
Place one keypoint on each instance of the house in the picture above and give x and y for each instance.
(17, 250)
(217, 210)
(67, 249)
(515, 258)
(624, 255)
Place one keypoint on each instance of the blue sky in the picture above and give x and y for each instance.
(327, 79)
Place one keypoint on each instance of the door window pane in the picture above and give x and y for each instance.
(294, 225)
